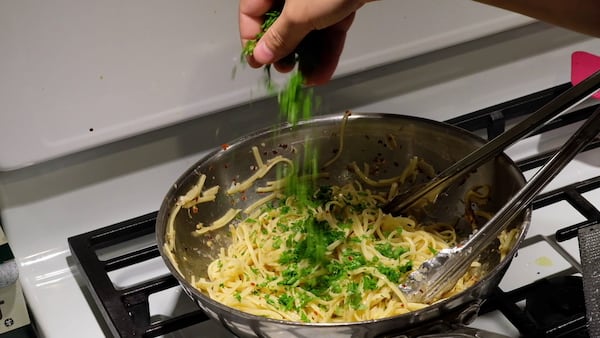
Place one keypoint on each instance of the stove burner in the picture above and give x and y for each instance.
(553, 307)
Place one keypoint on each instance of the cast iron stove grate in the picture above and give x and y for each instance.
(126, 311)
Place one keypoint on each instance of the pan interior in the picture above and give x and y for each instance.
(385, 142)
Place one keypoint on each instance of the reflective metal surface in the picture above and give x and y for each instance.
(390, 140)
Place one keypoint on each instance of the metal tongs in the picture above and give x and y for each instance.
(440, 273)
(430, 190)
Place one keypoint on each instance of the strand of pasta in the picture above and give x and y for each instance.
(262, 170)
(219, 223)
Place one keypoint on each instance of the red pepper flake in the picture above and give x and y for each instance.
(224, 146)
(195, 209)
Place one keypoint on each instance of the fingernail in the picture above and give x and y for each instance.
(262, 53)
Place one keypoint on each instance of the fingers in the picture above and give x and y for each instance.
(281, 39)
(251, 14)
(314, 30)
(320, 52)
(286, 64)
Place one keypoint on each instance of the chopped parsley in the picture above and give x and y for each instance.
(270, 18)
(369, 283)
(390, 251)
(277, 241)
(287, 302)
(354, 295)
(395, 275)
(353, 259)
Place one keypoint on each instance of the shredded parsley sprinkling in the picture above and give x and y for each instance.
(296, 102)
(306, 271)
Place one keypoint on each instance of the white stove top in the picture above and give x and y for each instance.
(44, 205)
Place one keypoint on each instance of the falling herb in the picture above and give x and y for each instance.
(295, 101)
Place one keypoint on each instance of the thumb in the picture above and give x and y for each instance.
(280, 40)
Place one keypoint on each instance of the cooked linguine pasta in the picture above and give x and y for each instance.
(336, 258)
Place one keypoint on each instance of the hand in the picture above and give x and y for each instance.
(315, 30)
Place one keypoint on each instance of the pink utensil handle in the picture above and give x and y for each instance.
(584, 64)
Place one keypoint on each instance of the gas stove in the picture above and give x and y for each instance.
(550, 303)
(104, 199)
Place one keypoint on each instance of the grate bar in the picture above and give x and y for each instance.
(151, 286)
(126, 311)
(173, 324)
(132, 258)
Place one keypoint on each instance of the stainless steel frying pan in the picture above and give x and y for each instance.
(387, 141)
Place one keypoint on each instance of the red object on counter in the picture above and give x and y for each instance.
(584, 64)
